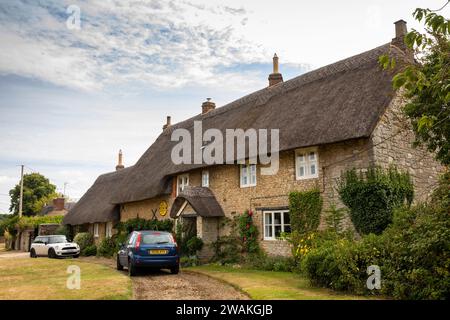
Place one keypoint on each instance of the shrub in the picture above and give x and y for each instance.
(90, 250)
(137, 224)
(334, 218)
(107, 247)
(248, 232)
(191, 261)
(304, 210)
(8, 225)
(227, 250)
(271, 263)
(65, 230)
(194, 244)
(84, 239)
(372, 197)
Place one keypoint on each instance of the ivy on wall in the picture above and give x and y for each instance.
(304, 210)
(372, 196)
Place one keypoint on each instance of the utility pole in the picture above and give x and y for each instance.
(21, 191)
(64, 193)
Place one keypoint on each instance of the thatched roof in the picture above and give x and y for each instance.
(201, 199)
(96, 204)
(338, 102)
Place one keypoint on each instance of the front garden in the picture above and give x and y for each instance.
(398, 250)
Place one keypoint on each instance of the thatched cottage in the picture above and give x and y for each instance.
(344, 115)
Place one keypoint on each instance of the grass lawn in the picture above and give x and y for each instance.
(270, 285)
(43, 278)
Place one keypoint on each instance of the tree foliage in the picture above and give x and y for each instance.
(426, 83)
(37, 190)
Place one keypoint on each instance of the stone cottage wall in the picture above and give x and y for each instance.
(392, 145)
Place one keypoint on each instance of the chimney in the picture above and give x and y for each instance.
(208, 105)
(400, 28)
(120, 165)
(275, 77)
(58, 203)
(167, 123)
(400, 33)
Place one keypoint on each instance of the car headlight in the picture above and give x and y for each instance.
(57, 247)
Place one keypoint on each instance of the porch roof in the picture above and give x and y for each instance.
(201, 199)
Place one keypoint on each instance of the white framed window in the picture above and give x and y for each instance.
(306, 163)
(275, 223)
(248, 175)
(205, 178)
(182, 182)
(96, 230)
(108, 232)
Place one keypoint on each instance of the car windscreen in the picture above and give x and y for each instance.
(40, 240)
(156, 238)
(58, 239)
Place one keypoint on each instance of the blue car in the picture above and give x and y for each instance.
(149, 249)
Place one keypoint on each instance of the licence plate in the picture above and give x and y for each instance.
(158, 251)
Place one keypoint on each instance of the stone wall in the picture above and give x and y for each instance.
(392, 145)
(146, 209)
(270, 191)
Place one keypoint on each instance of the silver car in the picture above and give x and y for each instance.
(54, 246)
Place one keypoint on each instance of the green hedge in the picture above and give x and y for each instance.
(372, 196)
(413, 254)
(304, 210)
(137, 224)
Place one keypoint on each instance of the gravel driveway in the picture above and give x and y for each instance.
(161, 285)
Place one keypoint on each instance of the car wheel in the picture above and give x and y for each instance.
(131, 269)
(76, 256)
(51, 253)
(33, 253)
(175, 270)
(119, 266)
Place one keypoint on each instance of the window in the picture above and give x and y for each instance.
(276, 222)
(306, 162)
(108, 230)
(96, 230)
(57, 239)
(182, 182)
(205, 178)
(248, 175)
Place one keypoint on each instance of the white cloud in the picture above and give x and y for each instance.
(164, 44)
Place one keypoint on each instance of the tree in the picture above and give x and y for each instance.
(426, 82)
(37, 190)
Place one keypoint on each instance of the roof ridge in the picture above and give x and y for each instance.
(261, 96)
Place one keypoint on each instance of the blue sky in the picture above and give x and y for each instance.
(70, 99)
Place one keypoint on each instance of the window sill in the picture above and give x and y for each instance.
(248, 186)
(306, 178)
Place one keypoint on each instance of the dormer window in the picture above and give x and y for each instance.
(182, 182)
(205, 178)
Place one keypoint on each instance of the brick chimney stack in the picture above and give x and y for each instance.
(167, 123)
(400, 32)
(208, 105)
(120, 165)
(275, 77)
(58, 203)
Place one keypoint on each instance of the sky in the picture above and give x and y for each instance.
(71, 97)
